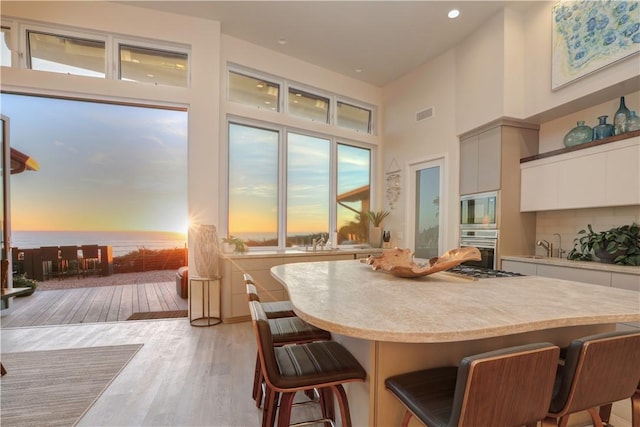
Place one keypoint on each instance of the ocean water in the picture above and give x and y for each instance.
(122, 242)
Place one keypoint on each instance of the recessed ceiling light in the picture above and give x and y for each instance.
(282, 41)
(453, 13)
(260, 85)
(358, 70)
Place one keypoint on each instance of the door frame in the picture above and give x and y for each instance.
(441, 160)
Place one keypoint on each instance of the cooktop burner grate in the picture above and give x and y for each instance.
(481, 273)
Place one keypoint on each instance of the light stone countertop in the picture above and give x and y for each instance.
(349, 298)
(587, 265)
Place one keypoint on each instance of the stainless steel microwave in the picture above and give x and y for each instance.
(479, 210)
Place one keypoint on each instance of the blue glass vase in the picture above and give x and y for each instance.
(603, 129)
(578, 135)
(633, 123)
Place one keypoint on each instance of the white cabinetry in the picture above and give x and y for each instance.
(597, 274)
(601, 175)
(480, 162)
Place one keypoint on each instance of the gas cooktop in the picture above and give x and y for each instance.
(480, 272)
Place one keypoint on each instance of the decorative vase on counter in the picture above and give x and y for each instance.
(633, 123)
(578, 135)
(621, 118)
(603, 129)
(375, 237)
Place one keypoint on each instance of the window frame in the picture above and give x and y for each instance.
(312, 93)
(25, 28)
(13, 44)
(283, 131)
(232, 68)
(361, 105)
(118, 42)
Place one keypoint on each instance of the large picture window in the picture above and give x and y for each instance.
(312, 193)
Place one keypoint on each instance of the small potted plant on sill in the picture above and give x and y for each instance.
(375, 232)
(233, 244)
(618, 245)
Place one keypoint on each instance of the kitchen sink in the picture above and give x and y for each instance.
(532, 256)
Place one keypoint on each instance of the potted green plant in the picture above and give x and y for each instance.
(375, 232)
(618, 245)
(22, 281)
(236, 243)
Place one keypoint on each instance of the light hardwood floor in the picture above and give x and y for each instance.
(182, 376)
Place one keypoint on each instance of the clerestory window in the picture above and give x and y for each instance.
(65, 54)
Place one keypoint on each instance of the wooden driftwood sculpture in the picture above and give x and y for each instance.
(399, 262)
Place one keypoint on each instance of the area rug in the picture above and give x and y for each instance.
(158, 315)
(56, 387)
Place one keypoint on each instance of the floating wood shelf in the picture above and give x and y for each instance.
(581, 146)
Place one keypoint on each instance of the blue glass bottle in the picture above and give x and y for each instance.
(620, 118)
(603, 129)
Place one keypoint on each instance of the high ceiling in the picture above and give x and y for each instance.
(373, 41)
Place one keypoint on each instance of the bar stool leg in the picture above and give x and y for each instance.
(284, 414)
(326, 403)
(343, 403)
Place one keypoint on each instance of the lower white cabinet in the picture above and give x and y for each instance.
(600, 277)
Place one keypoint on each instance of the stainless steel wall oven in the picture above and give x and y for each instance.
(486, 241)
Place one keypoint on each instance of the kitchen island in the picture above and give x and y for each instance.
(394, 325)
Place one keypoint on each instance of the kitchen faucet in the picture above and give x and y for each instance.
(560, 250)
(546, 245)
(318, 242)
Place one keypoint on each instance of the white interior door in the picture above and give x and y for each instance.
(426, 203)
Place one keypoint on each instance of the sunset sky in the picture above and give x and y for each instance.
(102, 167)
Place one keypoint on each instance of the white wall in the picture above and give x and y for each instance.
(202, 99)
(479, 70)
(407, 141)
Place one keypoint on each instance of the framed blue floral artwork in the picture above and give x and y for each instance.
(589, 35)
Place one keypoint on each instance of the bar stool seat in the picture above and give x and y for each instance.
(324, 365)
(502, 388)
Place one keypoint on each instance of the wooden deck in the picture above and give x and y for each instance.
(90, 305)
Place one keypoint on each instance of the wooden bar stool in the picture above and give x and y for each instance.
(284, 330)
(597, 371)
(273, 309)
(287, 369)
(503, 388)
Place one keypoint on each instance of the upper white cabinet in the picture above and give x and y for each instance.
(487, 154)
(597, 176)
(480, 162)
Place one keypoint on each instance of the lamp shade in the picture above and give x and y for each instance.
(206, 251)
